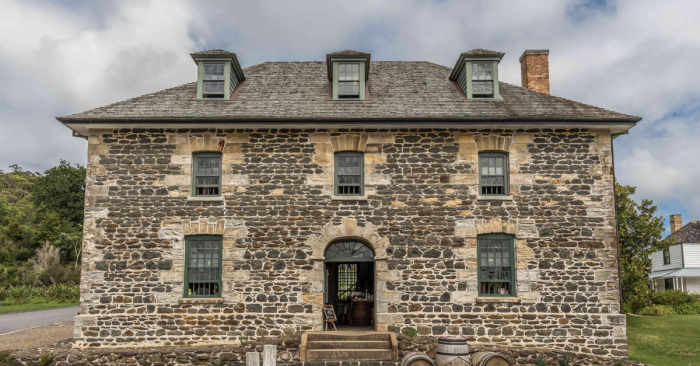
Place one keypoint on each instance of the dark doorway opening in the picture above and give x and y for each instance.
(350, 278)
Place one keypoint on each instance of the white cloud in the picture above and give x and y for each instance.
(632, 56)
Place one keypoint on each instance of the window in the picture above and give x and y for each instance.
(207, 174)
(348, 80)
(349, 174)
(667, 256)
(213, 80)
(203, 266)
(493, 174)
(668, 283)
(496, 270)
(482, 79)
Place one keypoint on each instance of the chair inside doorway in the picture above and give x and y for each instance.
(350, 283)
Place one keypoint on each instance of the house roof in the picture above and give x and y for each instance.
(288, 91)
(684, 272)
(689, 233)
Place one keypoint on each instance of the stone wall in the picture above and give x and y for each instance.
(421, 214)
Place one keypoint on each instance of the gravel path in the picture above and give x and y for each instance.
(29, 319)
(36, 337)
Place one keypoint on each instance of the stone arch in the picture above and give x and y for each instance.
(208, 142)
(493, 143)
(348, 230)
(349, 142)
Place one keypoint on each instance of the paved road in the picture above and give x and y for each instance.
(30, 319)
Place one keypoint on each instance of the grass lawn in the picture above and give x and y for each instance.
(6, 308)
(672, 340)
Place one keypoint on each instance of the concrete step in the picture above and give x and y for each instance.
(349, 354)
(350, 344)
(332, 336)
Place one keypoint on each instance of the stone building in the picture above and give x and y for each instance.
(233, 208)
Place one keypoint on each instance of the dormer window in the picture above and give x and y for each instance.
(218, 74)
(348, 80)
(482, 79)
(213, 80)
(476, 73)
(347, 72)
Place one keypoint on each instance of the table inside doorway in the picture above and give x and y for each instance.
(361, 312)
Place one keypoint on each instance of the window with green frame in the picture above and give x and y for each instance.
(207, 175)
(482, 79)
(348, 80)
(213, 80)
(493, 174)
(349, 174)
(203, 266)
(667, 256)
(496, 258)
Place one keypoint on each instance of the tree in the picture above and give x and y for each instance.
(640, 234)
(62, 190)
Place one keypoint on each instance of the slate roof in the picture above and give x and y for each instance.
(689, 233)
(398, 90)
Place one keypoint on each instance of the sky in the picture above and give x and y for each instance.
(638, 57)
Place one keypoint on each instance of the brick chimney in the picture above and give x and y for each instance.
(534, 70)
(676, 223)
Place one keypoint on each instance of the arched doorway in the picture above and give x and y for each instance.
(350, 282)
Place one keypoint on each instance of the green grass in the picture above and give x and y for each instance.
(33, 306)
(672, 340)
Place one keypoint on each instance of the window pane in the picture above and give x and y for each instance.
(213, 87)
(482, 71)
(482, 87)
(214, 72)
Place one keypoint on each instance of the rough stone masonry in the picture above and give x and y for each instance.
(421, 215)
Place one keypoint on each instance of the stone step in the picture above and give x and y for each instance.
(349, 354)
(331, 336)
(350, 344)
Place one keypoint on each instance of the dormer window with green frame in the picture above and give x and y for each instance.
(476, 73)
(348, 80)
(218, 74)
(348, 72)
(213, 80)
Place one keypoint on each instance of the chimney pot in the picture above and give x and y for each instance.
(534, 70)
(676, 223)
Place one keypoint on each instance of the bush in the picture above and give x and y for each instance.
(656, 310)
(672, 297)
(24, 294)
(57, 274)
(687, 308)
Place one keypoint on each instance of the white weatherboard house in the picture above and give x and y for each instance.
(678, 267)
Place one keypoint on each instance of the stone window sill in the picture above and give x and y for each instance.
(205, 199)
(494, 198)
(501, 300)
(207, 300)
(349, 198)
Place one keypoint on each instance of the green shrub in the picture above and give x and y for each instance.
(687, 308)
(17, 295)
(46, 359)
(58, 273)
(410, 332)
(656, 310)
(673, 297)
(541, 363)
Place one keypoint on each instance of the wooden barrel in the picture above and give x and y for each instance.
(489, 359)
(362, 313)
(416, 359)
(452, 352)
